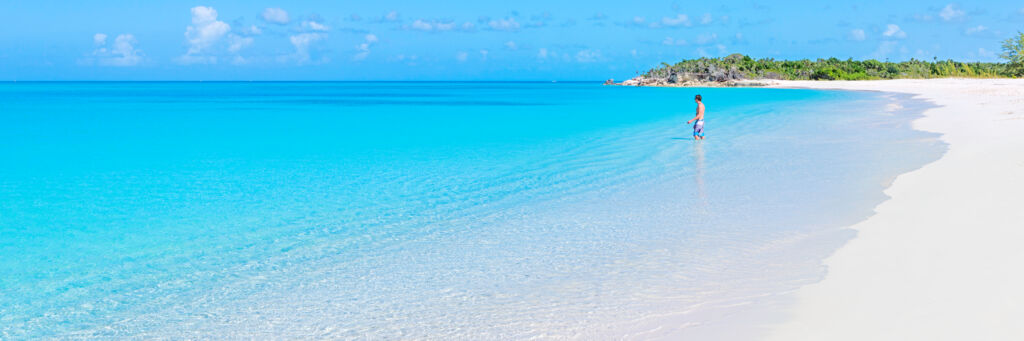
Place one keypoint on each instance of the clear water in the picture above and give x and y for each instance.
(423, 210)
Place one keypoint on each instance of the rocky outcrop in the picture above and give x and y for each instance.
(700, 72)
(689, 82)
(670, 77)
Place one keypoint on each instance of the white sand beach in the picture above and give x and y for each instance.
(943, 259)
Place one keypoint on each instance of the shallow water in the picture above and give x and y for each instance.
(423, 210)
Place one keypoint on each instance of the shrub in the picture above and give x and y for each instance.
(1013, 53)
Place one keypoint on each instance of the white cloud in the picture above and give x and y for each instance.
(305, 39)
(671, 42)
(364, 47)
(462, 56)
(402, 57)
(885, 49)
(976, 29)
(639, 20)
(302, 42)
(205, 34)
(435, 26)
(122, 53)
(950, 12)
(633, 52)
(982, 52)
(923, 17)
(124, 48)
(678, 20)
(483, 54)
(202, 34)
(511, 45)
(444, 26)
(237, 42)
(315, 26)
(276, 16)
(858, 35)
(894, 31)
(588, 56)
(364, 51)
(704, 53)
(391, 16)
(706, 19)
(422, 25)
(507, 24)
(706, 38)
(542, 53)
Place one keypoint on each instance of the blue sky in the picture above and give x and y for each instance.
(470, 40)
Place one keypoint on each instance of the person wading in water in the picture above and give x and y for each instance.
(698, 127)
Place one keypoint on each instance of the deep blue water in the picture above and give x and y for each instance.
(422, 210)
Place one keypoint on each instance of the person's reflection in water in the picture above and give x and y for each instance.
(698, 154)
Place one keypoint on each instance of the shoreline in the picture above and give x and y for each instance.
(938, 259)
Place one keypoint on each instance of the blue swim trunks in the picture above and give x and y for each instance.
(698, 128)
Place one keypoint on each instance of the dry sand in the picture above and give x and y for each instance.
(943, 259)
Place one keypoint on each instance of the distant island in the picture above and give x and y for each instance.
(739, 69)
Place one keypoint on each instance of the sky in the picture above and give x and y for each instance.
(471, 40)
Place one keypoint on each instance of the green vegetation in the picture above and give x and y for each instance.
(1013, 52)
(739, 66)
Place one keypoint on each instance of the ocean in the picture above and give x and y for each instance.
(426, 210)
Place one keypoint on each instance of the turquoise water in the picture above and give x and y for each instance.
(423, 210)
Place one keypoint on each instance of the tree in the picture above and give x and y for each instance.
(1013, 52)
